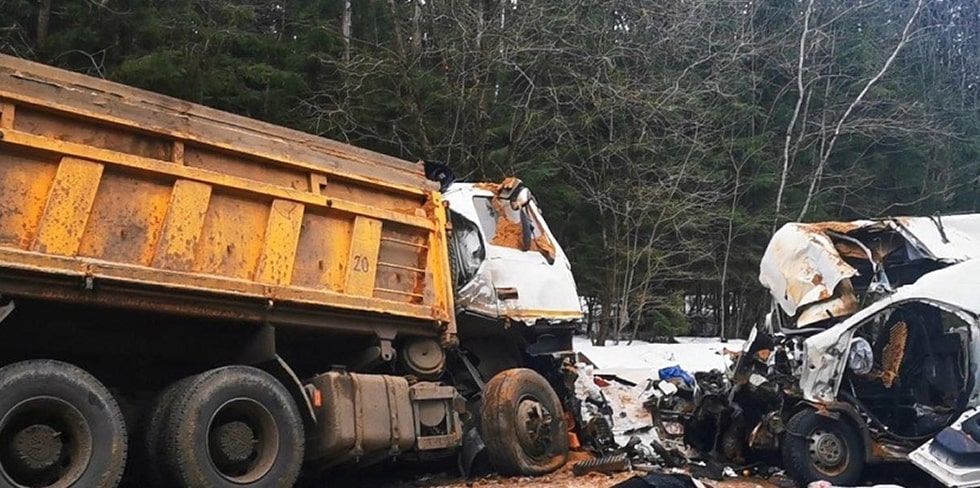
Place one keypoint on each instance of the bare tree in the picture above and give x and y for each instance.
(827, 150)
(345, 23)
(791, 126)
(43, 21)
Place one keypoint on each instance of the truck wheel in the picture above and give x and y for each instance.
(523, 424)
(816, 448)
(59, 427)
(232, 427)
(153, 434)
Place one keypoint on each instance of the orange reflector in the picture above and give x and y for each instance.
(317, 398)
(573, 442)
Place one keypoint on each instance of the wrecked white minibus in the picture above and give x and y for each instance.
(871, 350)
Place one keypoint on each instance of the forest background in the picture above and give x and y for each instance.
(664, 139)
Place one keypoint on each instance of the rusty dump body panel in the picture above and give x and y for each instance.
(118, 197)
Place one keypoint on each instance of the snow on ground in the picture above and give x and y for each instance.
(642, 360)
(637, 363)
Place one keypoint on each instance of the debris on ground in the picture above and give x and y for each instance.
(607, 464)
(865, 332)
(827, 484)
(637, 414)
(660, 480)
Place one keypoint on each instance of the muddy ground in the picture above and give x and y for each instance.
(445, 477)
(407, 476)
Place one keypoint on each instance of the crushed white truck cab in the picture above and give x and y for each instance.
(509, 263)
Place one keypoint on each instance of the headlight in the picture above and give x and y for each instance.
(860, 359)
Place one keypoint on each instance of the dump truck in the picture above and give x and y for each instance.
(199, 299)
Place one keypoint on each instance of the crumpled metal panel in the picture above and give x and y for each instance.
(931, 458)
(802, 267)
(951, 238)
(806, 274)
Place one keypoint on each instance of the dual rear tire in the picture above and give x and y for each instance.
(235, 426)
(59, 428)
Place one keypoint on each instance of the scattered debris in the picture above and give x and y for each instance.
(827, 484)
(953, 456)
(867, 355)
(660, 480)
(608, 464)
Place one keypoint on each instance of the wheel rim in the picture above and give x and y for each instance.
(534, 426)
(45, 442)
(828, 451)
(243, 440)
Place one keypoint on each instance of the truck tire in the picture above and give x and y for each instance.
(234, 426)
(152, 435)
(816, 447)
(523, 424)
(59, 427)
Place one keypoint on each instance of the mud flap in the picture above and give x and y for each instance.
(953, 455)
(473, 457)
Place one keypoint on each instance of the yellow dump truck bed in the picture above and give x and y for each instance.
(115, 196)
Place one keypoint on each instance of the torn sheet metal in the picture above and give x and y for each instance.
(953, 456)
(807, 270)
(951, 238)
(621, 404)
(801, 265)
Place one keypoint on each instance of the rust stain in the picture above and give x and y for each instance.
(510, 183)
(879, 451)
(510, 233)
(490, 187)
(850, 250)
(544, 245)
(892, 355)
(187, 203)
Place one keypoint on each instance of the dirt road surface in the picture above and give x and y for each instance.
(563, 478)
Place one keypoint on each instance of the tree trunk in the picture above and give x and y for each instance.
(417, 26)
(345, 30)
(43, 21)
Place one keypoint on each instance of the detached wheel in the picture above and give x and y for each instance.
(235, 426)
(821, 448)
(59, 428)
(523, 424)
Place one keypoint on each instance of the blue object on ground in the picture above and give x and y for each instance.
(671, 372)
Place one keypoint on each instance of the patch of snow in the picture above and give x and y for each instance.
(642, 360)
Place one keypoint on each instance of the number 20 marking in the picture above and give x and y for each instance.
(361, 264)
